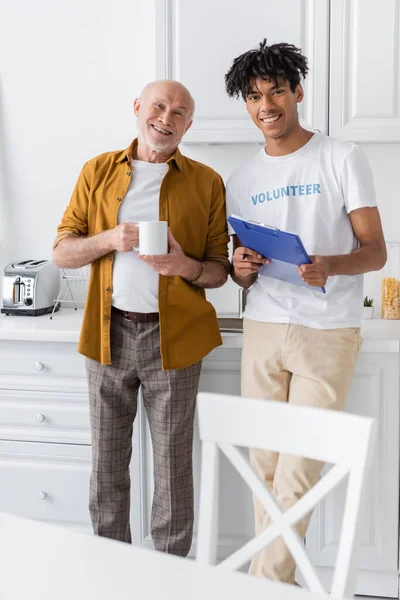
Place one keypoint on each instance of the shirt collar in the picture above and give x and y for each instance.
(126, 155)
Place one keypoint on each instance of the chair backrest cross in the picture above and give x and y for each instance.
(228, 422)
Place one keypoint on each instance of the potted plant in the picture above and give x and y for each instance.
(368, 309)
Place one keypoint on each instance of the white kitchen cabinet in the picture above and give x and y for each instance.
(374, 393)
(42, 415)
(364, 71)
(48, 482)
(45, 454)
(196, 43)
(352, 90)
(50, 364)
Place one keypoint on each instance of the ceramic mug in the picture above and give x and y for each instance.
(153, 237)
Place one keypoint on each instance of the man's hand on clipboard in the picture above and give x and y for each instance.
(317, 273)
(246, 262)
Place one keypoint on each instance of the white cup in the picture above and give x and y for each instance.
(153, 237)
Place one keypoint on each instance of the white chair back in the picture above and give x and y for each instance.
(342, 439)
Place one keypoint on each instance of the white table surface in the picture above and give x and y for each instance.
(40, 561)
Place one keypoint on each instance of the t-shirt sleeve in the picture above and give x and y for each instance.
(232, 203)
(357, 181)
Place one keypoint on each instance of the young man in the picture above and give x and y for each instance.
(299, 346)
(146, 319)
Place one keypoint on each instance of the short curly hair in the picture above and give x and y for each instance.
(266, 62)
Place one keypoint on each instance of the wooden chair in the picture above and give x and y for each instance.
(342, 439)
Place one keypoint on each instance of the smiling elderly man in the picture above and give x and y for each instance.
(146, 320)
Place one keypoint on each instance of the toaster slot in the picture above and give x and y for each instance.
(22, 263)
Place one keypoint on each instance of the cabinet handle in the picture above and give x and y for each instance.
(39, 366)
(40, 418)
(42, 495)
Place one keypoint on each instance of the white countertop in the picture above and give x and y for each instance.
(63, 327)
(379, 335)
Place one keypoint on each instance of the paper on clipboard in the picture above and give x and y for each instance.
(284, 249)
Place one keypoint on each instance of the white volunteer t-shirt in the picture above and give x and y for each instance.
(309, 192)
(135, 284)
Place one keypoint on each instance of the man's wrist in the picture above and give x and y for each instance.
(244, 281)
(329, 262)
(194, 272)
(108, 238)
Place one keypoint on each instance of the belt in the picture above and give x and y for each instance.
(136, 317)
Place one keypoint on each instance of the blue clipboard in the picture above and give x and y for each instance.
(285, 250)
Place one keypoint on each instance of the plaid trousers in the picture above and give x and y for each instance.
(169, 400)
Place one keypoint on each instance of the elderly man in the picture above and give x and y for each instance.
(146, 320)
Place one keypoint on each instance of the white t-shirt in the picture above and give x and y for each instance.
(309, 192)
(135, 284)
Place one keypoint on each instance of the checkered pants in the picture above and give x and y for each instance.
(169, 400)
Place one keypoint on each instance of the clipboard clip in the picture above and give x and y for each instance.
(263, 225)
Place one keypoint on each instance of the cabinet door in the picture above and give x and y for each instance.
(43, 416)
(374, 393)
(365, 82)
(41, 365)
(47, 482)
(196, 43)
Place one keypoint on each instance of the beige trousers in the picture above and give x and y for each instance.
(304, 366)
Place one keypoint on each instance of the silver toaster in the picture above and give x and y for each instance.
(30, 287)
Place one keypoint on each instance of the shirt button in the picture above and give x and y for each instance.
(108, 289)
(109, 258)
(106, 317)
(128, 173)
(119, 199)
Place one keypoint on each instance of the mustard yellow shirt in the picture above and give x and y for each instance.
(192, 200)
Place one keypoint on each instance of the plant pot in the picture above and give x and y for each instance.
(368, 312)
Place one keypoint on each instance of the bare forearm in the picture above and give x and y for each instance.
(371, 257)
(73, 252)
(213, 274)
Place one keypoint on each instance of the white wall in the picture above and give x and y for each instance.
(69, 72)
